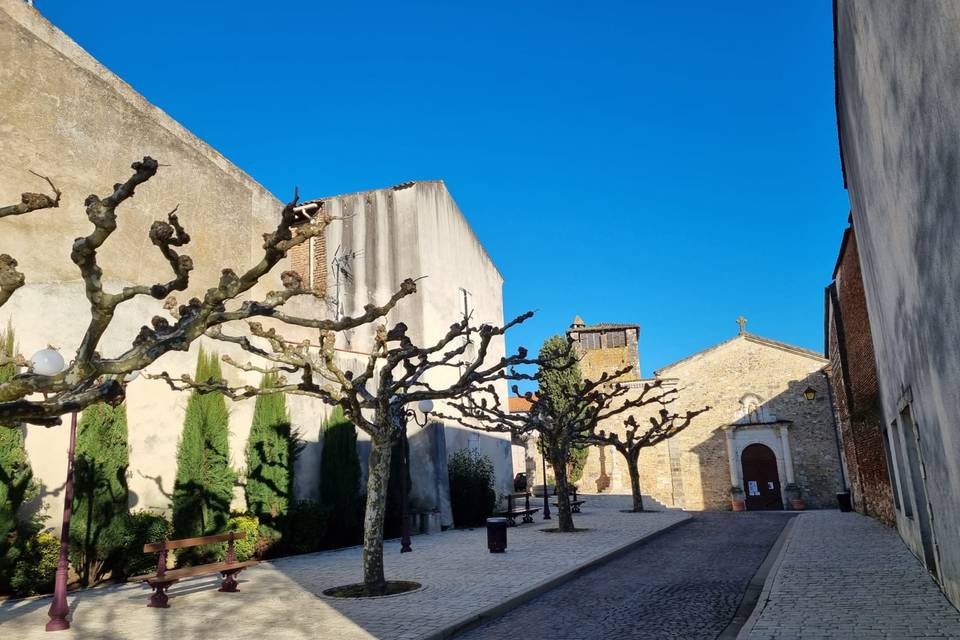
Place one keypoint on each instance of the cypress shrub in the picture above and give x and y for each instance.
(472, 497)
(204, 484)
(340, 480)
(393, 516)
(272, 449)
(306, 526)
(16, 481)
(100, 491)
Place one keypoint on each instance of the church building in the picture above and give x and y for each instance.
(770, 430)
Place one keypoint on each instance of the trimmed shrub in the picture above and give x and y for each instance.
(245, 548)
(472, 497)
(340, 481)
(204, 485)
(37, 567)
(16, 481)
(137, 529)
(394, 514)
(272, 450)
(307, 523)
(100, 498)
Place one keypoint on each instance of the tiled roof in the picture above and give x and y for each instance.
(604, 325)
(519, 404)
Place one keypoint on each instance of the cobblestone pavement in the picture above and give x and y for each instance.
(278, 600)
(685, 585)
(844, 575)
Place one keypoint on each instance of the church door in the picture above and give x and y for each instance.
(761, 481)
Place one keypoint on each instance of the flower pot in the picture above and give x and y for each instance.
(798, 504)
(738, 505)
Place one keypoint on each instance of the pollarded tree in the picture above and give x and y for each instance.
(377, 395)
(272, 450)
(663, 426)
(564, 409)
(92, 376)
(100, 491)
(204, 485)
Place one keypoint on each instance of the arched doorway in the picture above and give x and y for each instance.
(761, 480)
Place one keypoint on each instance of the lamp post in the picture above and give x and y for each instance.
(48, 363)
(426, 407)
(546, 500)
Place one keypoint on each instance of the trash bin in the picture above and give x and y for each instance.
(497, 535)
(843, 500)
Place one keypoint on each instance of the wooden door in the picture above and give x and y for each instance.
(761, 480)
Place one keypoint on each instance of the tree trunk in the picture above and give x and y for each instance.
(564, 514)
(634, 466)
(377, 479)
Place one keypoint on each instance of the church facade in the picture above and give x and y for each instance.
(770, 430)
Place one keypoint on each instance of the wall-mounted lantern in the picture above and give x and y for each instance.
(810, 393)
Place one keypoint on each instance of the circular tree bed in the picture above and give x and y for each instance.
(557, 530)
(360, 590)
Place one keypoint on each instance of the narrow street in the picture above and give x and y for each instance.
(686, 584)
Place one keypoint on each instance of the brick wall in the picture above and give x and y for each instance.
(299, 258)
(855, 388)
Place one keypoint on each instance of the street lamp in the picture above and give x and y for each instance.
(810, 393)
(49, 362)
(426, 407)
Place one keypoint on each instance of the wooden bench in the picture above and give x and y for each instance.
(574, 502)
(162, 579)
(513, 511)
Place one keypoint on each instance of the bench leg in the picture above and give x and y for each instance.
(527, 518)
(229, 583)
(511, 521)
(159, 598)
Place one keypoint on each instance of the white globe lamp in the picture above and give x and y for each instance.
(47, 362)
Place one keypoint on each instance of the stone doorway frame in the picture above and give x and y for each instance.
(774, 435)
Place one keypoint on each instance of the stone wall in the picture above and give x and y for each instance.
(898, 115)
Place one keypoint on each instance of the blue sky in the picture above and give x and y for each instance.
(672, 164)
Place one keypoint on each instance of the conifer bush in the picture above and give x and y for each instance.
(138, 528)
(204, 484)
(272, 450)
(100, 492)
(306, 527)
(16, 481)
(245, 548)
(340, 481)
(472, 497)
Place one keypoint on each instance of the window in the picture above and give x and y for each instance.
(891, 470)
(590, 340)
(616, 339)
(901, 471)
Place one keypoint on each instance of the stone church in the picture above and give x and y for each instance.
(770, 430)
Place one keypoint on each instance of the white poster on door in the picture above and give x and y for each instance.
(752, 488)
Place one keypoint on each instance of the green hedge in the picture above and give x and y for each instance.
(471, 488)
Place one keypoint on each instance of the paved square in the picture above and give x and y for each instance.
(279, 599)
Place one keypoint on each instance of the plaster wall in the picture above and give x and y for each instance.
(898, 81)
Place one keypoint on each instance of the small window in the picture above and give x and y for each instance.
(590, 340)
(616, 339)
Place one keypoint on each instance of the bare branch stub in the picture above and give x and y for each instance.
(10, 278)
(91, 377)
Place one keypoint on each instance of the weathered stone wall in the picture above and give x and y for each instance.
(692, 469)
(898, 115)
(856, 389)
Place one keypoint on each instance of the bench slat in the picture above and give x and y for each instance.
(153, 547)
(186, 572)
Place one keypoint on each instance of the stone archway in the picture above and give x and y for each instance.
(761, 479)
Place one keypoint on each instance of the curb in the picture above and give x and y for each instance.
(494, 611)
(768, 570)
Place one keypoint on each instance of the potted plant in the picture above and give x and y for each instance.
(737, 502)
(795, 496)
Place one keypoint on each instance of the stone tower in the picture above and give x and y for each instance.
(606, 347)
